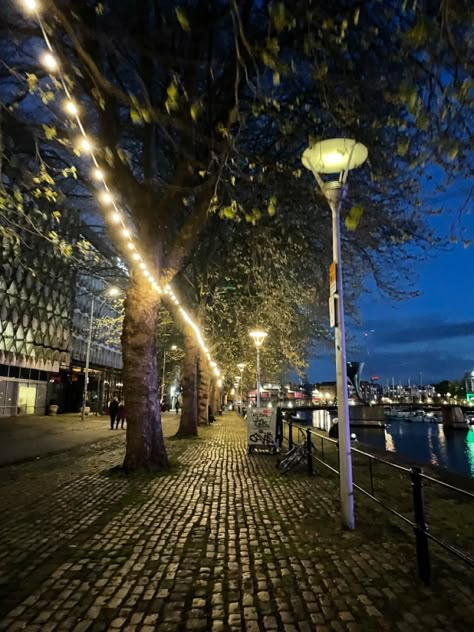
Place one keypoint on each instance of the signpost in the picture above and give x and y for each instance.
(261, 429)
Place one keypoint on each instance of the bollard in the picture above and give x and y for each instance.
(290, 434)
(309, 452)
(421, 528)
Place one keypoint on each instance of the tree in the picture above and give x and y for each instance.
(186, 100)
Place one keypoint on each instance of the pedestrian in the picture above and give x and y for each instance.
(113, 409)
(178, 403)
(121, 414)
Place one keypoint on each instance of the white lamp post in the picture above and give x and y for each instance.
(241, 368)
(338, 156)
(111, 291)
(258, 338)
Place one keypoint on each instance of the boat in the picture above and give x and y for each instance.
(412, 416)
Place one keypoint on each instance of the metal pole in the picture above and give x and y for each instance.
(258, 377)
(421, 528)
(334, 197)
(88, 353)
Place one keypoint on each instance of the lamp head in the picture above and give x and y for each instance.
(258, 337)
(334, 155)
(113, 291)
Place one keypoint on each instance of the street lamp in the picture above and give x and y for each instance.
(172, 348)
(258, 338)
(111, 291)
(338, 156)
(241, 368)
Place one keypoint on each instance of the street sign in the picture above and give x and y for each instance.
(333, 278)
(261, 429)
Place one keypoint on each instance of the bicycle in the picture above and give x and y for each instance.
(295, 456)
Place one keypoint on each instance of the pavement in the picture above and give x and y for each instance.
(222, 542)
(25, 437)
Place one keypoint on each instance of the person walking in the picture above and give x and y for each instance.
(113, 410)
(121, 414)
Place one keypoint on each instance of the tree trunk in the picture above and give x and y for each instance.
(189, 409)
(214, 397)
(145, 443)
(203, 389)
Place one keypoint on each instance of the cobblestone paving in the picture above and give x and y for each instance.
(223, 542)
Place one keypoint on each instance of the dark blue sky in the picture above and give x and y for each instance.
(432, 333)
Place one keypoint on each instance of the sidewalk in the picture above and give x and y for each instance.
(223, 542)
(25, 437)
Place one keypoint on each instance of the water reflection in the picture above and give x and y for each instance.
(429, 443)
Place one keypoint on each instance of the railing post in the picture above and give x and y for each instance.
(290, 434)
(371, 477)
(421, 528)
(309, 452)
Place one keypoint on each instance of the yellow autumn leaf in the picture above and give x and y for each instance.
(49, 132)
(182, 19)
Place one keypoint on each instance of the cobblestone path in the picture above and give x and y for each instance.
(223, 542)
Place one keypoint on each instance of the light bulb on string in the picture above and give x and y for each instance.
(30, 6)
(85, 144)
(71, 108)
(130, 246)
(136, 256)
(49, 62)
(115, 217)
(125, 233)
(98, 175)
(106, 198)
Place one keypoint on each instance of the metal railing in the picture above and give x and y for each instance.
(415, 474)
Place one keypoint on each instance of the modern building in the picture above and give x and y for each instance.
(45, 297)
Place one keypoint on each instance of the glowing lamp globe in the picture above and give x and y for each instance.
(258, 337)
(334, 155)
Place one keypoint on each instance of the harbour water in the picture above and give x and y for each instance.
(431, 443)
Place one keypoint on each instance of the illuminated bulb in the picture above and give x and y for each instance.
(97, 174)
(136, 256)
(115, 217)
(126, 232)
(106, 198)
(130, 246)
(30, 5)
(142, 266)
(49, 62)
(85, 144)
(71, 107)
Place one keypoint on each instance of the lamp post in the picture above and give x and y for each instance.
(338, 156)
(173, 348)
(112, 291)
(241, 368)
(258, 338)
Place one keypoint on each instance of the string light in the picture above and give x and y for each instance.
(85, 144)
(106, 198)
(51, 64)
(30, 5)
(71, 108)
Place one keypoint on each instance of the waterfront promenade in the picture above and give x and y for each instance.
(222, 542)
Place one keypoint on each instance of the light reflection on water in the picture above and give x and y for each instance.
(450, 449)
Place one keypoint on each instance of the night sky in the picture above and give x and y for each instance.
(433, 333)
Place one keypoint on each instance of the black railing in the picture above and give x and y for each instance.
(297, 435)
